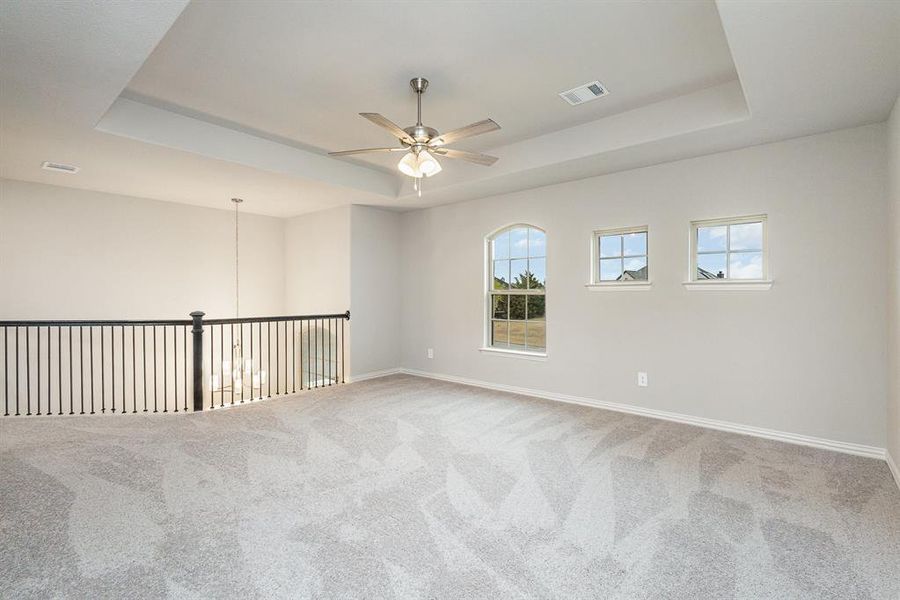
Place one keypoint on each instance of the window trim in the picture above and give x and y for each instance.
(693, 283)
(489, 290)
(596, 284)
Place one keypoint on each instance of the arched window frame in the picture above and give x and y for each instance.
(531, 330)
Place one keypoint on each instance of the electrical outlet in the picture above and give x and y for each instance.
(642, 379)
(430, 353)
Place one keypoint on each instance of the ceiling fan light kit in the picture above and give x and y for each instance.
(421, 143)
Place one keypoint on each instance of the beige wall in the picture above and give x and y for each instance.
(807, 356)
(75, 254)
(893, 416)
(317, 262)
(375, 290)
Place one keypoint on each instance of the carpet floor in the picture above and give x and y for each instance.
(403, 487)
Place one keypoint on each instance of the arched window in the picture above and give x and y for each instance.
(516, 295)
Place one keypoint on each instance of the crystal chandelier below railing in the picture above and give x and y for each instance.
(242, 375)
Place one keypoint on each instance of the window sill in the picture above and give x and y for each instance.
(731, 286)
(619, 286)
(539, 356)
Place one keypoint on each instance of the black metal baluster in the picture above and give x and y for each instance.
(286, 379)
(315, 323)
(59, 366)
(241, 366)
(175, 363)
(5, 372)
(91, 342)
(123, 369)
(133, 373)
(320, 353)
(184, 337)
(165, 371)
(212, 361)
(232, 363)
(112, 363)
(221, 366)
(71, 406)
(293, 356)
(269, 357)
(102, 377)
(144, 361)
(343, 344)
(38, 363)
(81, 368)
(277, 358)
(330, 363)
(49, 374)
(251, 361)
(18, 373)
(155, 377)
(308, 355)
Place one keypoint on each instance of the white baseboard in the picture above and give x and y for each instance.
(895, 471)
(771, 434)
(373, 375)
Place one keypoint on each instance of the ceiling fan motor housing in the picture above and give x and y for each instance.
(421, 133)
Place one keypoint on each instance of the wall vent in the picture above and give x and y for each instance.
(59, 167)
(584, 93)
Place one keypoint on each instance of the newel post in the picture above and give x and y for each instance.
(197, 330)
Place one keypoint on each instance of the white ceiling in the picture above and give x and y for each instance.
(200, 102)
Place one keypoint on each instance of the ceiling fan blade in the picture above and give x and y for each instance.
(478, 128)
(475, 157)
(365, 150)
(384, 122)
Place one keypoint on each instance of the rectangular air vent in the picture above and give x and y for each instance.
(58, 167)
(584, 93)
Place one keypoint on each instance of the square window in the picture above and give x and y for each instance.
(729, 249)
(622, 255)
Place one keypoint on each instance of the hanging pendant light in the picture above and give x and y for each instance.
(240, 373)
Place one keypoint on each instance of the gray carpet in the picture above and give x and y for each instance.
(404, 487)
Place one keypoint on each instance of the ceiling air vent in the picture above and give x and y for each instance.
(59, 167)
(584, 93)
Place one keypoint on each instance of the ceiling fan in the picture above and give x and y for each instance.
(421, 143)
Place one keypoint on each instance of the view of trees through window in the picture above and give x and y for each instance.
(518, 266)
